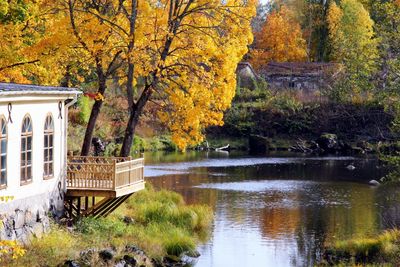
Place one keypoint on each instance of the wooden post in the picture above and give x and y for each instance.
(79, 207)
(86, 203)
(71, 202)
(114, 174)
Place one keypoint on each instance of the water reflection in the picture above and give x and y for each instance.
(278, 211)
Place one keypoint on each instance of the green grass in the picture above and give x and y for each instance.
(163, 225)
(381, 250)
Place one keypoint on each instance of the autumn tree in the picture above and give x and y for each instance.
(386, 15)
(181, 54)
(280, 40)
(18, 23)
(192, 61)
(353, 44)
(99, 46)
(312, 17)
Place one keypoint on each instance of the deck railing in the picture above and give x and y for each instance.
(103, 173)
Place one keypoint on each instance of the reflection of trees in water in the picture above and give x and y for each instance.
(388, 197)
(317, 170)
(319, 216)
(309, 216)
(310, 237)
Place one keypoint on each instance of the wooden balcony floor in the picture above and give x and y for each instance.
(104, 177)
(104, 192)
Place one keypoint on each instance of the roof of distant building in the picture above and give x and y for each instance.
(23, 89)
(299, 68)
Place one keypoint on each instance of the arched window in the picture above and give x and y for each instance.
(3, 153)
(48, 147)
(26, 150)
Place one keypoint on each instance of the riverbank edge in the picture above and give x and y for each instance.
(154, 228)
(327, 143)
(378, 250)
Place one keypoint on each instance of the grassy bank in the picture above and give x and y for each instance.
(157, 222)
(381, 250)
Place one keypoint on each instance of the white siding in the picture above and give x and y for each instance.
(38, 110)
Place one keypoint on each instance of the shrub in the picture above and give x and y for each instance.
(84, 109)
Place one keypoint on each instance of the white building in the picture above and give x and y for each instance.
(33, 144)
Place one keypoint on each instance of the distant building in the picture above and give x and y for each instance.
(306, 76)
(299, 75)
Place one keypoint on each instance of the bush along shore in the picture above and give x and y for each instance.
(153, 228)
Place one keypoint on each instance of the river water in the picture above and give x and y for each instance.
(277, 210)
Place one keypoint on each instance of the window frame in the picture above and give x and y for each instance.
(24, 151)
(47, 134)
(3, 121)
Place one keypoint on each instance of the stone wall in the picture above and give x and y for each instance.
(23, 219)
(307, 83)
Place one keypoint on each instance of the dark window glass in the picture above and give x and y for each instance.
(48, 147)
(3, 153)
(26, 150)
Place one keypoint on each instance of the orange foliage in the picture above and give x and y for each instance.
(280, 40)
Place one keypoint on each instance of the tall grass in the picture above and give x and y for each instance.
(383, 249)
(162, 225)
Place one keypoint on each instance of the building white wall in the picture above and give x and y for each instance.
(38, 111)
(27, 213)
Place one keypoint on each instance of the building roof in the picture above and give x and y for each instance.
(28, 89)
(299, 68)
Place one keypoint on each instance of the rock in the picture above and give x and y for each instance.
(30, 219)
(87, 256)
(328, 142)
(40, 214)
(171, 260)
(193, 254)
(130, 260)
(134, 249)
(374, 183)
(70, 263)
(37, 230)
(365, 146)
(98, 145)
(121, 263)
(258, 144)
(350, 167)
(19, 220)
(107, 254)
(128, 220)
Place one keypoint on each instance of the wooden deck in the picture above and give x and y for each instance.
(109, 177)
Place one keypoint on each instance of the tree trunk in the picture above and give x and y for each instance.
(136, 109)
(135, 112)
(87, 141)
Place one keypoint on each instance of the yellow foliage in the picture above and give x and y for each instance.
(10, 249)
(353, 42)
(190, 63)
(280, 40)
